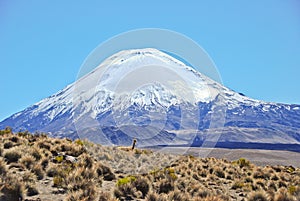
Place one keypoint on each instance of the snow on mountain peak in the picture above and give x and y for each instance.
(142, 76)
(140, 55)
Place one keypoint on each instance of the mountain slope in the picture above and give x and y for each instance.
(149, 95)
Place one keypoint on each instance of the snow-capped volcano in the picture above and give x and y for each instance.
(149, 95)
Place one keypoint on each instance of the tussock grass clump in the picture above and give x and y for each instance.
(29, 177)
(14, 139)
(12, 189)
(12, 155)
(44, 163)
(44, 145)
(73, 196)
(3, 168)
(105, 196)
(124, 192)
(27, 160)
(8, 145)
(260, 174)
(178, 196)
(210, 198)
(38, 171)
(220, 172)
(152, 196)
(35, 152)
(82, 178)
(283, 195)
(237, 185)
(86, 160)
(165, 186)
(142, 184)
(258, 196)
(104, 171)
(31, 190)
(16, 167)
(52, 170)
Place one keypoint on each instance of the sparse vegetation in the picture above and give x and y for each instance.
(33, 166)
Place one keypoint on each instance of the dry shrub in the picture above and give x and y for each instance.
(219, 173)
(24, 134)
(181, 185)
(104, 171)
(89, 192)
(258, 196)
(12, 155)
(282, 195)
(124, 191)
(203, 193)
(86, 160)
(44, 163)
(38, 171)
(142, 184)
(285, 177)
(31, 190)
(81, 178)
(178, 196)
(203, 173)
(52, 170)
(282, 184)
(12, 189)
(165, 186)
(248, 180)
(277, 168)
(272, 186)
(14, 139)
(271, 194)
(8, 145)
(28, 161)
(259, 174)
(152, 196)
(274, 177)
(29, 177)
(66, 147)
(74, 196)
(20, 167)
(44, 145)
(75, 150)
(35, 152)
(213, 198)
(261, 183)
(105, 196)
(3, 169)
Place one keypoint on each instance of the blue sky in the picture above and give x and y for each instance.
(254, 44)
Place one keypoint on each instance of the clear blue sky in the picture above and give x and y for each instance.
(255, 44)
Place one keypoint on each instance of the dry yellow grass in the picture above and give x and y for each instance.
(36, 167)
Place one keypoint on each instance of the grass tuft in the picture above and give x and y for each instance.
(12, 155)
